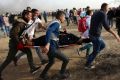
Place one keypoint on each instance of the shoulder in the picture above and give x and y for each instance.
(102, 14)
(18, 23)
(99, 14)
(55, 24)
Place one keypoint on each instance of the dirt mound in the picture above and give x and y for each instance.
(109, 65)
(107, 68)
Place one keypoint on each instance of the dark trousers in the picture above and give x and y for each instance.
(45, 18)
(98, 45)
(11, 55)
(52, 54)
(75, 19)
(38, 51)
(88, 47)
(40, 41)
(68, 21)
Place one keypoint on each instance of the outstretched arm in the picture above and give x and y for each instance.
(40, 25)
(114, 34)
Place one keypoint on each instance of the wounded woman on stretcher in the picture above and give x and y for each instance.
(65, 39)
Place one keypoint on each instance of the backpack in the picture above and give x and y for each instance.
(82, 25)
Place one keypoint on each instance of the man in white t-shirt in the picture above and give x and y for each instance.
(32, 25)
(36, 23)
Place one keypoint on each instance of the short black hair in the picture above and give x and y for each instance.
(25, 12)
(34, 10)
(87, 7)
(28, 8)
(59, 13)
(89, 12)
(104, 5)
(6, 13)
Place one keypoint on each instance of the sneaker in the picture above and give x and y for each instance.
(89, 67)
(34, 70)
(44, 77)
(63, 76)
(1, 78)
(87, 55)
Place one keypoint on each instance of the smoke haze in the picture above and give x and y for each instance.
(18, 5)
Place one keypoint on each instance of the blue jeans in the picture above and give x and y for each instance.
(40, 54)
(52, 54)
(98, 45)
(88, 47)
(7, 28)
(3, 29)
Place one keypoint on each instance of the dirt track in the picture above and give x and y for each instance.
(107, 63)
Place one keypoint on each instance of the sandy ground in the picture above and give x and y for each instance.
(107, 63)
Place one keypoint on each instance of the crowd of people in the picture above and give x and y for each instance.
(71, 16)
(21, 31)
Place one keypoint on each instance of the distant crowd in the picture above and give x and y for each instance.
(71, 16)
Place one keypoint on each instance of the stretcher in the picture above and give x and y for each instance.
(61, 46)
(65, 41)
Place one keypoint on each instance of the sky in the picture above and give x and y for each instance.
(19, 5)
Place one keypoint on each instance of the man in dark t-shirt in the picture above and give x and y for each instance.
(98, 20)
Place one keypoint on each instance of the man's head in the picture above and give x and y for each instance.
(89, 12)
(27, 15)
(87, 8)
(66, 9)
(35, 13)
(7, 14)
(105, 7)
(28, 8)
(60, 16)
(74, 8)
